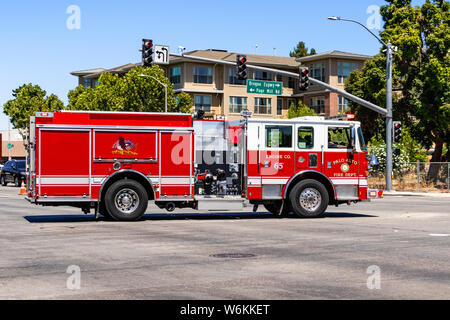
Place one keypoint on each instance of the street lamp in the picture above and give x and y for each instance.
(163, 84)
(389, 50)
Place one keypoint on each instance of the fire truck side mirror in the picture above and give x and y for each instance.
(199, 114)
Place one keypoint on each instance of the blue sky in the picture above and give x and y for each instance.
(37, 46)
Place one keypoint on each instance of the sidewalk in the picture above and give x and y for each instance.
(418, 194)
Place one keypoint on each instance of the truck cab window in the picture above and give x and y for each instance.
(339, 138)
(362, 143)
(279, 136)
(305, 137)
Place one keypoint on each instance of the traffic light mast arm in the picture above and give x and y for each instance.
(343, 93)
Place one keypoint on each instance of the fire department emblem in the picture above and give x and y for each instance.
(122, 146)
(345, 167)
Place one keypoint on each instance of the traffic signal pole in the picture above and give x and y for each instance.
(388, 116)
(345, 94)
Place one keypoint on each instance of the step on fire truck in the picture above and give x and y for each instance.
(115, 162)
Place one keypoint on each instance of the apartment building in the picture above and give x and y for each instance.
(216, 89)
(332, 67)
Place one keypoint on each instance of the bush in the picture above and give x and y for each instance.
(400, 163)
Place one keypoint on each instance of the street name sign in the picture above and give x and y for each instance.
(264, 87)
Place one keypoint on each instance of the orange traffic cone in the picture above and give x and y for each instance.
(22, 188)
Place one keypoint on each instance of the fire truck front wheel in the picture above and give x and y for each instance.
(309, 199)
(126, 200)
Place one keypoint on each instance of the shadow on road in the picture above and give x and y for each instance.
(186, 216)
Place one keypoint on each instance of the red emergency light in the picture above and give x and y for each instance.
(350, 116)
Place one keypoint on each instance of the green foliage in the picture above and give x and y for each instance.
(301, 51)
(185, 102)
(27, 100)
(300, 110)
(128, 93)
(421, 73)
(400, 163)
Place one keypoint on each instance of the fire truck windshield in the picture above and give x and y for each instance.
(362, 143)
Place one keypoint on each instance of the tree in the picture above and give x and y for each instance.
(301, 51)
(185, 102)
(300, 110)
(29, 99)
(128, 93)
(421, 74)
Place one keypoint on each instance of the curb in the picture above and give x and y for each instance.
(417, 194)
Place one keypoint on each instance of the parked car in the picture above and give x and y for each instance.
(13, 171)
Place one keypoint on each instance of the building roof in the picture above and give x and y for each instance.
(256, 59)
(274, 61)
(335, 54)
(278, 62)
(87, 72)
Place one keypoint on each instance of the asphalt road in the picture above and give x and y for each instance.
(173, 256)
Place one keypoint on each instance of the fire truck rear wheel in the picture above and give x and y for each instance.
(309, 199)
(126, 200)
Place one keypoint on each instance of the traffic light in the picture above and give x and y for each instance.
(304, 79)
(397, 125)
(241, 67)
(147, 52)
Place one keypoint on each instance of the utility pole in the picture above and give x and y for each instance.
(389, 50)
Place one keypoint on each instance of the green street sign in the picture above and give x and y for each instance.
(10, 145)
(264, 87)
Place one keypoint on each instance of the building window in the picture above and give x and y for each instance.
(237, 104)
(305, 137)
(279, 78)
(278, 136)
(291, 83)
(262, 75)
(317, 104)
(343, 105)
(317, 71)
(202, 74)
(233, 79)
(86, 83)
(202, 103)
(175, 75)
(279, 107)
(344, 70)
(263, 105)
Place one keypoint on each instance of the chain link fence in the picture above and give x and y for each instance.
(416, 176)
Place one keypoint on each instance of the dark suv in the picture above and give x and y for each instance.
(13, 171)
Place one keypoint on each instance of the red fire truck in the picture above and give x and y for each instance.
(115, 162)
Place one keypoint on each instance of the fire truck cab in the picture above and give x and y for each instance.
(115, 162)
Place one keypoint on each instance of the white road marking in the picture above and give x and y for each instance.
(439, 234)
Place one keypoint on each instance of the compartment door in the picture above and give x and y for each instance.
(64, 163)
(176, 166)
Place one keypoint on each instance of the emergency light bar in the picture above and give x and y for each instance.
(44, 114)
(348, 116)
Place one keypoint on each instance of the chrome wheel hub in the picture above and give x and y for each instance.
(310, 199)
(126, 201)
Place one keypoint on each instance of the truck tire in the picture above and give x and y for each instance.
(102, 210)
(309, 199)
(274, 208)
(3, 181)
(126, 200)
(17, 181)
